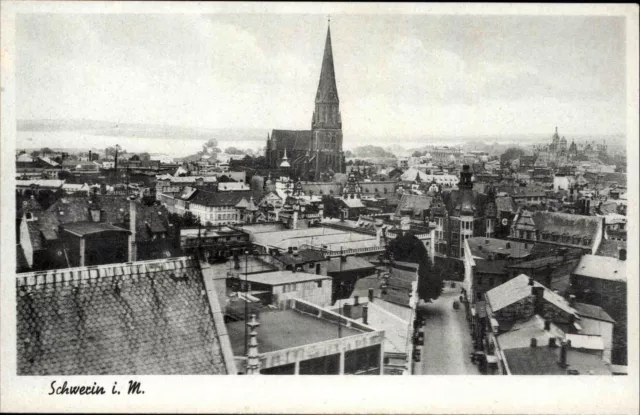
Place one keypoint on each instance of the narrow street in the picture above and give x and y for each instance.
(447, 340)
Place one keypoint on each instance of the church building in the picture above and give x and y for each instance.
(316, 154)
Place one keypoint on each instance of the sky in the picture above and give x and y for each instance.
(397, 75)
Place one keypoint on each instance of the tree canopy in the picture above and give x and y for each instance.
(409, 248)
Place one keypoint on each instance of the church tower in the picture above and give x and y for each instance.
(326, 125)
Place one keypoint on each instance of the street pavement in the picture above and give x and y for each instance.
(447, 339)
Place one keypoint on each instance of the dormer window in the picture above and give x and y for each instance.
(28, 216)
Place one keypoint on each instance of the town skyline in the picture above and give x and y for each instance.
(577, 83)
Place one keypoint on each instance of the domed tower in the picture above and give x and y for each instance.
(563, 145)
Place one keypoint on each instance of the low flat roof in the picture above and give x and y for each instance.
(284, 277)
(87, 228)
(284, 329)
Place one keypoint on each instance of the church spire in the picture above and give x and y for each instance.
(327, 90)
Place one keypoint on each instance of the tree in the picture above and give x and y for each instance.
(145, 156)
(257, 183)
(511, 153)
(332, 208)
(409, 248)
(45, 150)
(416, 154)
(233, 150)
(349, 154)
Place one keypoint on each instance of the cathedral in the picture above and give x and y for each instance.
(316, 154)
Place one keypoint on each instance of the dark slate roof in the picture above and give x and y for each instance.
(36, 237)
(592, 311)
(145, 318)
(206, 198)
(292, 139)
(544, 361)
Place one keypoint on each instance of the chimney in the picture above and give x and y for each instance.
(531, 283)
(538, 293)
(290, 250)
(115, 158)
(371, 295)
(356, 300)
(622, 254)
(253, 360)
(534, 342)
(365, 314)
(563, 353)
(572, 300)
(90, 158)
(133, 254)
(547, 324)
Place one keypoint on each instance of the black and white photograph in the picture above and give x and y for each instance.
(344, 190)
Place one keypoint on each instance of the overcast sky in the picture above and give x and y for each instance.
(397, 75)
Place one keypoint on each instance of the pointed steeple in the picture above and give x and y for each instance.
(327, 90)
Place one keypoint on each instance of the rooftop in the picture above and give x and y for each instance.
(544, 361)
(82, 229)
(517, 289)
(284, 277)
(592, 311)
(602, 267)
(141, 318)
(484, 247)
(284, 329)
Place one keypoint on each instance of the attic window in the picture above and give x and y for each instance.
(28, 215)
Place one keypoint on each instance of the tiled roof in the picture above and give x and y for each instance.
(206, 198)
(505, 204)
(560, 223)
(521, 333)
(544, 361)
(518, 288)
(417, 203)
(602, 267)
(145, 318)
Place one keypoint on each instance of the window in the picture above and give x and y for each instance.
(319, 283)
(362, 360)
(311, 265)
